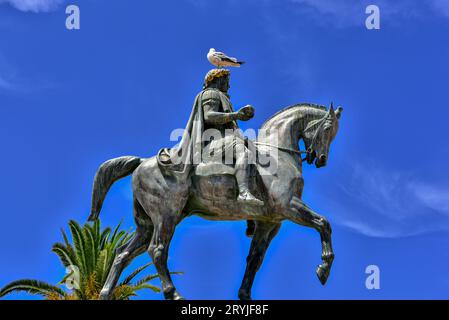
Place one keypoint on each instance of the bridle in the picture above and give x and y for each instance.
(320, 123)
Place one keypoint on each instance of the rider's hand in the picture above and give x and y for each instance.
(245, 113)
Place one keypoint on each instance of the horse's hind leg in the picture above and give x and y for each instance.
(130, 250)
(263, 235)
(164, 227)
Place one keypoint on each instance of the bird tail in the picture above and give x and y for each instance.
(237, 63)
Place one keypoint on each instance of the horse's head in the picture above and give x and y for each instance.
(319, 134)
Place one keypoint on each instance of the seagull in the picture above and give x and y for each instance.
(219, 59)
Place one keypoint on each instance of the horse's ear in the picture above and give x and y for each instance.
(331, 110)
(338, 112)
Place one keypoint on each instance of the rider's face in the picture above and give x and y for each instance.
(224, 84)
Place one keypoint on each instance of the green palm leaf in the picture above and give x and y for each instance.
(151, 277)
(79, 243)
(147, 286)
(31, 286)
(90, 250)
(66, 256)
(103, 266)
(129, 278)
(104, 237)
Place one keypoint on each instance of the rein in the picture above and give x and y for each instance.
(299, 152)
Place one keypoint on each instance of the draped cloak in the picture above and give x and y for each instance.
(181, 159)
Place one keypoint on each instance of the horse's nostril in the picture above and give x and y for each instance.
(323, 158)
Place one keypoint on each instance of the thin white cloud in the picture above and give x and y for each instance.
(377, 202)
(435, 197)
(13, 80)
(33, 5)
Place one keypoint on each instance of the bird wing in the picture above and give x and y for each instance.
(224, 57)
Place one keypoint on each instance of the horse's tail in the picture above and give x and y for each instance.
(109, 172)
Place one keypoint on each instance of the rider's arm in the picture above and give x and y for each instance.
(211, 107)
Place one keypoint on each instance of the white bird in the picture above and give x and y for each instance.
(219, 59)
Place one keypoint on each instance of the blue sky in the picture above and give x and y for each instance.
(70, 100)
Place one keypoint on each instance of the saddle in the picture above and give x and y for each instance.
(203, 169)
(214, 166)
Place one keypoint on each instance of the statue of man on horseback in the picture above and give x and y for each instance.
(169, 187)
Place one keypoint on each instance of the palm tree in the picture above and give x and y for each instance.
(88, 261)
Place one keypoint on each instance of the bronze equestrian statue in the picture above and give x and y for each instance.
(192, 179)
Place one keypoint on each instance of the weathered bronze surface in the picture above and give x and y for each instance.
(166, 191)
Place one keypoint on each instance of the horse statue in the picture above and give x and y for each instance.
(162, 201)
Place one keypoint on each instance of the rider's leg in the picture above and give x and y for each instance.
(242, 155)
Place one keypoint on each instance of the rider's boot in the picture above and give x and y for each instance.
(245, 196)
(242, 176)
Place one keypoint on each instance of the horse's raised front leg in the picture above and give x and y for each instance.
(300, 213)
(263, 235)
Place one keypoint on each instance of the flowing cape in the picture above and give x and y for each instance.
(181, 158)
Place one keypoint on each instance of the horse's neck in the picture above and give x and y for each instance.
(286, 129)
(283, 133)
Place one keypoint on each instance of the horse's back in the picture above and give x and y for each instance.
(157, 191)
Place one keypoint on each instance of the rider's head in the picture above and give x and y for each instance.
(217, 78)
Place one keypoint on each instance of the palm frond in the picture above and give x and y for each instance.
(90, 250)
(152, 277)
(129, 278)
(147, 286)
(146, 279)
(103, 265)
(31, 286)
(66, 256)
(104, 237)
(116, 232)
(79, 243)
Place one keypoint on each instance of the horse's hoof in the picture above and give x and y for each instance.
(173, 295)
(177, 296)
(323, 273)
(244, 295)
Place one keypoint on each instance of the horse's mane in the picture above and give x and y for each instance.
(298, 105)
